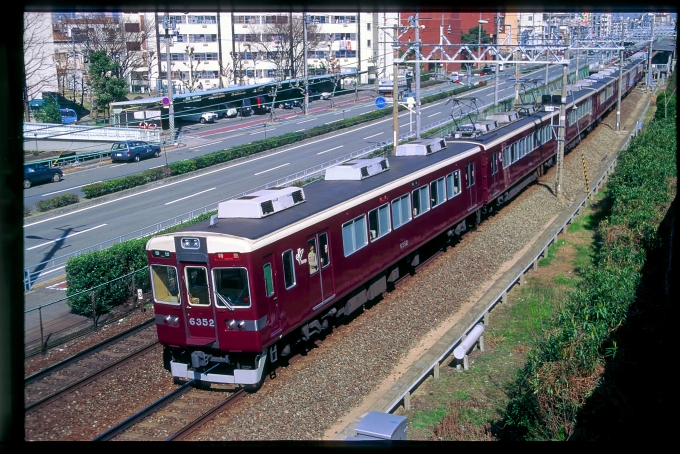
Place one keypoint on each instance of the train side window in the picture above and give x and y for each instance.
(354, 235)
(494, 163)
(312, 258)
(470, 174)
(288, 269)
(437, 192)
(379, 222)
(231, 287)
(324, 253)
(401, 211)
(164, 281)
(421, 201)
(453, 184)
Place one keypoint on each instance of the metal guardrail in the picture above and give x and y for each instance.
(42, 131)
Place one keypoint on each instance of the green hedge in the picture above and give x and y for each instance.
(566, 367)
(56, 202)
(239, 151)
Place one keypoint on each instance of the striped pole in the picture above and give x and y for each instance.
(585, 172)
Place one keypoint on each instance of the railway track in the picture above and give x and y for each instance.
(174, 416)
(54, 382)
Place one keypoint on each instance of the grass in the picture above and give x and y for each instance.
(469, 404)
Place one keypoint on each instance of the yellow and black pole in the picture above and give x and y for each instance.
(585, 173)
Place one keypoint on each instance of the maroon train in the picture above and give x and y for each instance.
(280, 265)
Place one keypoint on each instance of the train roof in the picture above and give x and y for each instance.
(325, 195)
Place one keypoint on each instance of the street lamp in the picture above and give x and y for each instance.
(479, 29)
(171, 112)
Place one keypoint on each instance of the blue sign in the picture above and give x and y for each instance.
(380, 102)
(165, 101)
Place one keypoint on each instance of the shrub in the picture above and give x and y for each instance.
(56, 202)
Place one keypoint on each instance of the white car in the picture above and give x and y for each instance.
(325, 95)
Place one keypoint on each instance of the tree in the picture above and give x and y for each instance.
(49, 112)
(39, 70)
(106, 85)
(281, 43)
(472, 36)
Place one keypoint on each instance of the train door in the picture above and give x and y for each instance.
(319, 260)
(495, 176)
(470, 185)
(198, 309)
(270, 293)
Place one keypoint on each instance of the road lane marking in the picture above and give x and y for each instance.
(436, 113)
(64, 237)
(68, 189)
(189, 196)
(371, 136)
(273, 168)
(330, 149)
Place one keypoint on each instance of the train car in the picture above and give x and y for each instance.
(279, 266)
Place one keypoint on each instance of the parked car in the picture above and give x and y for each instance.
(133, 150)
(41, 173)
(290, 104)
(205, 117)
(325, 95)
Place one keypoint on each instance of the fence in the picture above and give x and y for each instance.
(56, 323)
(42, 131)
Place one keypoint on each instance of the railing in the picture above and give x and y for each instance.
(42, 131)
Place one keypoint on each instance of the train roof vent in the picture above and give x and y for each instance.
(584, 83)
(596, 76)
(504, 117)
(490, 124)
(421, 147)
(357, 169)
(262, 203)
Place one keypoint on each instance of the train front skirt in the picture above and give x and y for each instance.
(239, 376)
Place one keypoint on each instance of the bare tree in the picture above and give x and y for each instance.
(226, 71)
(121, 38)
(239, 66)
(281, 43)
(39, 65)
(194, 62)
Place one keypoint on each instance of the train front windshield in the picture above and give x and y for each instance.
(231, 287)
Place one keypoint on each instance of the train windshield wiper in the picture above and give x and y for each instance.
(225, 300)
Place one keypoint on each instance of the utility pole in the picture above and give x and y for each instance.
(395, 94)
(618, 100)
(562, 121)
(417, 74)
(168, 73)
(304, 51)
(650, 73)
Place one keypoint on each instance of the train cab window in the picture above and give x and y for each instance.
(453, 184)
(421, 201)
(288, 269)
(268, 280)
(470, 174)
(231, 287)
(354, 235)
(164, 282)
(312, 257)
(324, 253)
(437, 192)
(379, 222)
(197, 285)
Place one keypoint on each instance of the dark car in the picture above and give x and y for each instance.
(290, 104)
(40, 173)
(133, 150)
(487, 70)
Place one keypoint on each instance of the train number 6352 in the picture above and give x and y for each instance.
(201, 322)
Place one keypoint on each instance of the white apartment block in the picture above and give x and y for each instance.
(216, 50)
